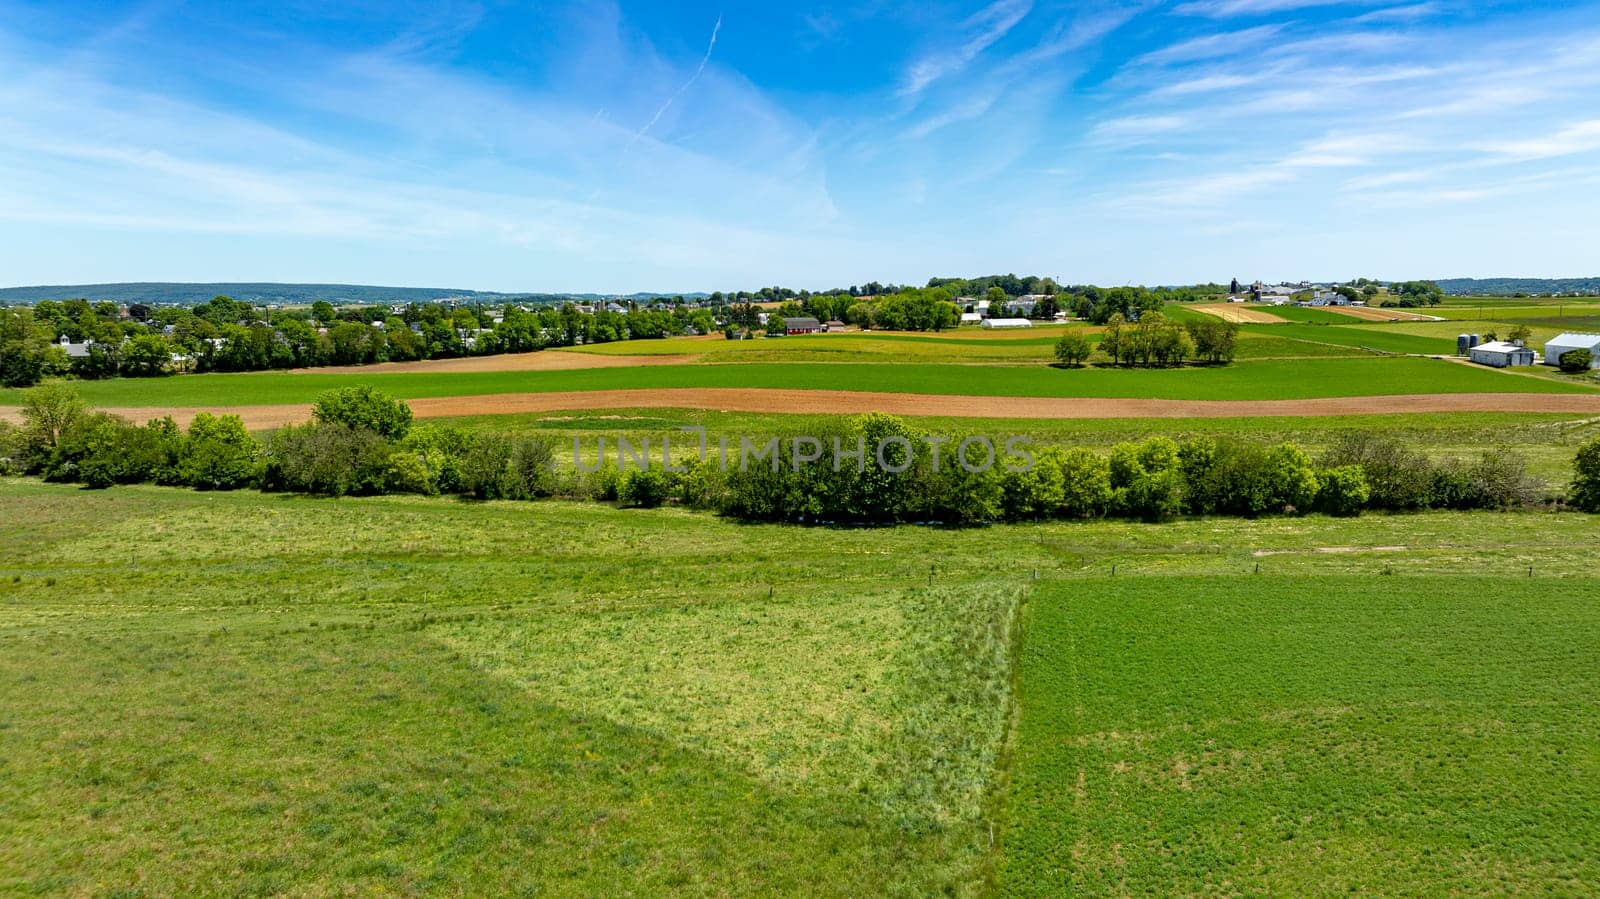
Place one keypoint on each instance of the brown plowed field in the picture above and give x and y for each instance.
(1240, 313)
(849, 402)
(554, 360)
(1378, 314)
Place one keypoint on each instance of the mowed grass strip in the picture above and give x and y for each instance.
(1260, 380)
(1298, 736)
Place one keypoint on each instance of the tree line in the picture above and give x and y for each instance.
(228, 336)
(1154, 340)
(361, 442)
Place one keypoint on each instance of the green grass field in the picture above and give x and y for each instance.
(1357, 336)
(1306, 736)
(250, 694)
(1276, 379)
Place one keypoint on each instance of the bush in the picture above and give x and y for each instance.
(1576, 361)
(1038, 492)
(439, 449)
(326, 459)
(364, 407)
(1344, 491)
(702, 485)
(603, 483)
(1247, 479)
(1152, 496)
(406, 471)
(1497, 480)
(1586, 477)
(93, 450)
(646, 488)
(11, 449)
(1085, 484)
(955, 496)
(1146, 479)
(219, 454)
(1398, 479)
(495, 466)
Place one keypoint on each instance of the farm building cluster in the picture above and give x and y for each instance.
(1515, 354)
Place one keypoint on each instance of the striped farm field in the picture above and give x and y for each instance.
(1263, 380)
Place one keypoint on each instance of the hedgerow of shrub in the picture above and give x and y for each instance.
(870, 469)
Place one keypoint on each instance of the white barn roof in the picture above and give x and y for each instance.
(1499, 346)
(1007, 323)
(1572, 340)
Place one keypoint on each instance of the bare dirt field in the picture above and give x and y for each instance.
(1239, 313)
(549, 360)
(1373, 314)
(851, 402)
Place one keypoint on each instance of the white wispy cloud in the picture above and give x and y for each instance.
(1134, 129)
(1210, 46)
(979, 32)
(1408, 13)
(1580, 137)
(1223, 9)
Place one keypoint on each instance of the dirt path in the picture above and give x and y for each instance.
(1239, 313)
(547, 360)
(849, 402)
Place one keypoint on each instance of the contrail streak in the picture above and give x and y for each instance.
(715, 30)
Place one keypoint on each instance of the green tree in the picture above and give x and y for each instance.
(1073, 348)
(1111, 341)
(47, 413)
(145, 355)
(1086, 490)
(218, 453)
(364, 407)
(1215, 341)
(1586, 481)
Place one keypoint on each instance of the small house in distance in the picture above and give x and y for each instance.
(793, 326)
(1007, 323)
(1501, 354)
(1565, 343)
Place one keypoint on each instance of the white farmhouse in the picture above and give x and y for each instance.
(1567, 342)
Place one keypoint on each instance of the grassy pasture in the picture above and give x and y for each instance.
(247, 693)
(1275, 379)
(1307, 315)
(1547, 440)
(1355, 336)
(1519, 312)
(1306, 735)
(240, 693)
(968, 345)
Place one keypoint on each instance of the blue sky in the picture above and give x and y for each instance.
(700, 145)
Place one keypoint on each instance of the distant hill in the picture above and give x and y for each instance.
(291, 294)
(1505, 287)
